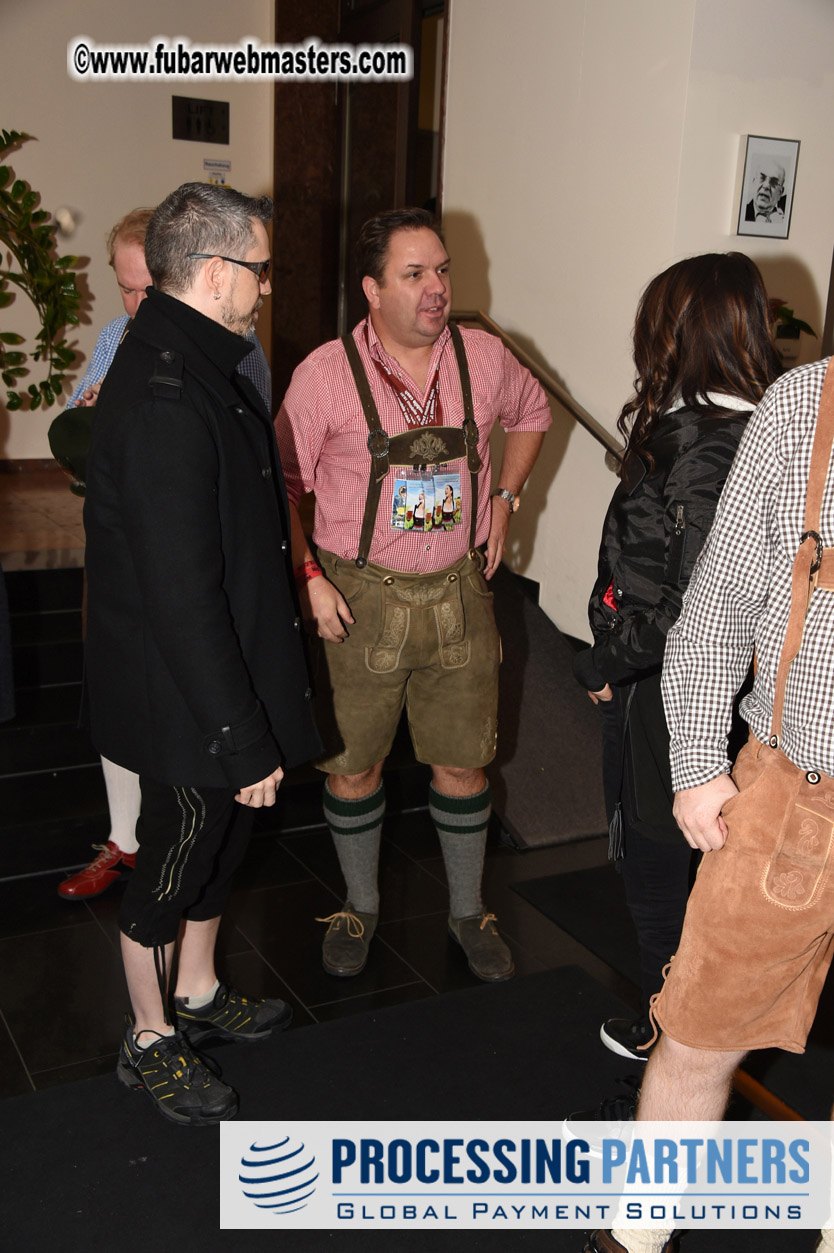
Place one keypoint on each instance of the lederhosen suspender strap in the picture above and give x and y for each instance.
(429, 445)
(813, 565)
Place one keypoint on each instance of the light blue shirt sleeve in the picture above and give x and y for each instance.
(102, 358)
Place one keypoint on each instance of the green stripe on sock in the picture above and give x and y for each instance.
(460, 815)
(351, 817)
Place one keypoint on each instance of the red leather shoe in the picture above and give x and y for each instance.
(98, 876)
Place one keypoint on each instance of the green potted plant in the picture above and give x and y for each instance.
(786, 330)
(29, 262)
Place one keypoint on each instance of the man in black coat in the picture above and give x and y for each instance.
(195, 668)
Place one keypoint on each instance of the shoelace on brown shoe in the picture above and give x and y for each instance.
(355, 926)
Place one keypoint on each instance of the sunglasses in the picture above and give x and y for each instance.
(259, 268)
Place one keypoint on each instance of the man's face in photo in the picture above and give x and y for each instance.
(768, 184)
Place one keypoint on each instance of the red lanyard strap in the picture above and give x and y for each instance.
(379, 442)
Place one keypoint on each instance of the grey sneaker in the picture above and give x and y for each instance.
(178, 1082)
(487, 954)
(231, 1016)
(345, 948)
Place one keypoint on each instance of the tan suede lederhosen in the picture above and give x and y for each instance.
(757, 941)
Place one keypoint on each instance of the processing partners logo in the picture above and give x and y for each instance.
(512, 1176)
(279, 1177)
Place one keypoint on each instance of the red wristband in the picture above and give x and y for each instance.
(309, 570)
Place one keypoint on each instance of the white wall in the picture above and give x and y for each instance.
(105, 148)
(591, 143)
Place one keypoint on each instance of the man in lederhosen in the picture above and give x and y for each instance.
(398, 593)
(757, 940)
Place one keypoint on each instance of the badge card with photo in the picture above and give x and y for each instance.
(448, 500)
(398, 504)
(418, 504)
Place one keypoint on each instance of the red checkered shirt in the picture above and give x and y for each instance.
(322, 438)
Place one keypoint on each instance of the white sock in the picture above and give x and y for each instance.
(197, 1002)
(124, 800)
(637, 1240)
(153, 1036)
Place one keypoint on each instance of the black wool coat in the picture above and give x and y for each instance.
(195, 667)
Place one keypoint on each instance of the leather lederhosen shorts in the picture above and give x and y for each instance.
(424, 641)
(757, 940)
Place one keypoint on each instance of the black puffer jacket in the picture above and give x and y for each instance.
(655, 527)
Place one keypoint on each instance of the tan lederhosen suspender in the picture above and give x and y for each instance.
(419, 448)
(813, 566)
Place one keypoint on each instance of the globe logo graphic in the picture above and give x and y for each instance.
(279, 1177)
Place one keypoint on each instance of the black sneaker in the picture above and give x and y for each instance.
(180, 1085)
(622, 1037)
(613, 1109)
(614, 1112)
(231, 1016)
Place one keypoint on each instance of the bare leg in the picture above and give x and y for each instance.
(352, 787)
(195, 961)
(454, 782)
(686, 1084)
(143, 987)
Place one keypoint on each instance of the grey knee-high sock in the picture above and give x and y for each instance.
(356, 827)
(462, 823)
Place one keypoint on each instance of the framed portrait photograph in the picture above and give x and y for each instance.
(767, 186)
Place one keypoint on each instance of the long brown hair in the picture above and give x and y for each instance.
(701, 326)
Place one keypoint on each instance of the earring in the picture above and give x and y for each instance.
(217, 295)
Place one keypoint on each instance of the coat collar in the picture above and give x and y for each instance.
(164, 322)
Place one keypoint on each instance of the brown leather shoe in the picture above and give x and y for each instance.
(345, 948)
(99, 875)
(487, 954)
(604, 1242)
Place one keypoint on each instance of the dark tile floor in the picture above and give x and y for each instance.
(62, 991)
(62, 994)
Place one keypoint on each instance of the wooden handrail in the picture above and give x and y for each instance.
(613, 450)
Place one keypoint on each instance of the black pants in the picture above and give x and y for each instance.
(191, 841)
(658, 869)
(657, 878)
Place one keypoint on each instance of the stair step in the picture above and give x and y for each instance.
(33, 799)
(55, 626)
(42, 665)
(34, 591)
(44, 706)
(43, 749)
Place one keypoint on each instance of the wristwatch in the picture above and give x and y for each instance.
(512, 500)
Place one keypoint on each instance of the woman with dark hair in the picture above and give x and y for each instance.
(704, 359)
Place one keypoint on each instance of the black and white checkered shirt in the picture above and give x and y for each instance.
(739, 599)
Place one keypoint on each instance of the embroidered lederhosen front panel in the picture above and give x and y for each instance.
(384, 656)
(451, 629)
(799, 867)
(402, 598)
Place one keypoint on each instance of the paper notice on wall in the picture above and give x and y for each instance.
(219, 172)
